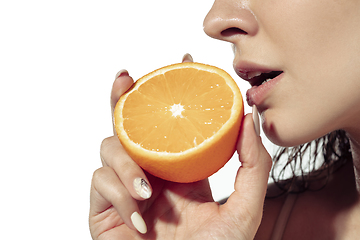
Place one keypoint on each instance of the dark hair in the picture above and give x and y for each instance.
(323, 156)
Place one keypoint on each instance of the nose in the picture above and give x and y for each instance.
(228, 19)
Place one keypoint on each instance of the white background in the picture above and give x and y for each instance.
(58, 62)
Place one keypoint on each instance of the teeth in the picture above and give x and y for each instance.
(266, 80)
(251, 75)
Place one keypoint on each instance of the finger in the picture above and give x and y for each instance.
(121, 84)
(255, 163)
(187, 58)
(130, 174)
(106, 191)
(252, 177)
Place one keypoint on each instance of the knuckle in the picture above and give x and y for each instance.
(115, 157)
(106, 143)
(107, 149)
(127, 166)
(100, 175)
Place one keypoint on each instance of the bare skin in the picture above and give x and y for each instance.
(176, 211)
(299, 39)
(330, 213)
(314, 47)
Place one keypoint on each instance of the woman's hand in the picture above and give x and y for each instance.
(125, 201)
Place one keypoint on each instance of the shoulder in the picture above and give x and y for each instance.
(272, 209)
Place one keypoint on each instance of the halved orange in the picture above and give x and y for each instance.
(181, 122)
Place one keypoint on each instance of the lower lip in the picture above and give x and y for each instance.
(257, 94)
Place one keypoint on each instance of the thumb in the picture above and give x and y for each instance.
(246, 202)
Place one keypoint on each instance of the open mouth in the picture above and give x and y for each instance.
(257, 78)
(262, 79)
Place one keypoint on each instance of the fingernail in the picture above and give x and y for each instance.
(121, 73)
(187, 58)
(142, 188)
(255, 115)
(138, 222)
(233, 47)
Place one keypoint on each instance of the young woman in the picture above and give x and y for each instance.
(302, 59)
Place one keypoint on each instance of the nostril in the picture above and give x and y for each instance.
(232, 31)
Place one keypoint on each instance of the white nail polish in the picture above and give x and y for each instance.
(256, 120)
(142, 188)
(120, 72)
(138, 222)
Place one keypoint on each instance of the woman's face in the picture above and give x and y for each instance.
(310, 51)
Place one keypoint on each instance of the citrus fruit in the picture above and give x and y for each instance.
(181, 122)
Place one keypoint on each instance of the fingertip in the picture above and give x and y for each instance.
(142, 188)
(121, 84)
(256, 120)
(122, 72)
(138, 222)
(187, 58)
(250, 147)
(248, 133)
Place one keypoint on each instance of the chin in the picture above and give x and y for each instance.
(282, 141)
(287, 136)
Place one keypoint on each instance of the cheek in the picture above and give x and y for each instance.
(298, 117)
(322, 84)
(296, 112)
(307, 30)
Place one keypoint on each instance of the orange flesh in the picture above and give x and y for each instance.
(180, 115)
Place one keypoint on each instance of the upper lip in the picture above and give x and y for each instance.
(255, 74)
